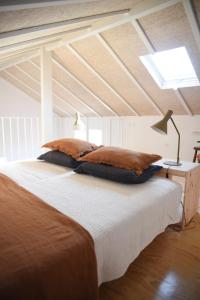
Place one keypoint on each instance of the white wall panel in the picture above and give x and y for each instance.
(136, 133)
(20, 138)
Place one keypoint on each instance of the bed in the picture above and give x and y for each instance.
(122, 219)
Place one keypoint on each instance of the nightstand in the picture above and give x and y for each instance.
(190, 172)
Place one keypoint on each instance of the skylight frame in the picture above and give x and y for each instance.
(151, 66)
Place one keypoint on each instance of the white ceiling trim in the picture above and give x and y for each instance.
(96, 74)
(128, 73)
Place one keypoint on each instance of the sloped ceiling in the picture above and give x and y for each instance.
(102, 75)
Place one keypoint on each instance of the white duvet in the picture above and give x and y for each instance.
(122, 219)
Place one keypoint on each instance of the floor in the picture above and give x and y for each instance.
(168, 269)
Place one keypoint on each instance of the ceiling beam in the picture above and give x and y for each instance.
(150, 47)
(83, 86)
(143, 36)
(49, 40)
(96, 74)
(45, 28)
(141, 9)
(6, 63)
(54, 80)
(19, 5)
(128, 73)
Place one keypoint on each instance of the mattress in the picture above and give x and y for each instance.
(122, 219)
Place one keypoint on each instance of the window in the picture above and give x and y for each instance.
(80, 134)
(95, 136)
(171, 68)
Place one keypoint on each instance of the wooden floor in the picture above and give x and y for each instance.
(168, 269)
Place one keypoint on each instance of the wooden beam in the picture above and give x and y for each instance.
(147, 42)
(143, 36)
(67, 90)
(19, 5)
(96, 74)
(128, 73)
(83, 86)
(52, 40)
(18, 59)
(46, 96)
(47, 27)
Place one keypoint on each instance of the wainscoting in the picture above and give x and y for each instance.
(20, 138)
(136, 133)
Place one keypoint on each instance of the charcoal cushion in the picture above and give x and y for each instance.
(116, 174)
(59, 158)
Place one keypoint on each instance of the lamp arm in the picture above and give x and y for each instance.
(178, 150)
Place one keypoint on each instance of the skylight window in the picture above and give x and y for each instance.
(171, 68)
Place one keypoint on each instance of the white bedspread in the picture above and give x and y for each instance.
(122, 219)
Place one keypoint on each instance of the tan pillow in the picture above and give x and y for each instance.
(74, 147)
(122, 158)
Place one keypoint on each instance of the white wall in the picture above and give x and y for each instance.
(136, 133)
(20, 128)
(15, 103)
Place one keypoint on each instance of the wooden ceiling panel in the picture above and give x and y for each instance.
(20, 86)
(193, 99)
(73, 101)
(101, 60)
(29, 68)
(170, 29)
(13, 20)
(72, 86)
(128, 46)
(25, 79)
(74, 65)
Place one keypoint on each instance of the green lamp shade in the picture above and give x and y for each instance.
(161, 126)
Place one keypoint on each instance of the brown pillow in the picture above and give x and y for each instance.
(121, 158)
(74, 147)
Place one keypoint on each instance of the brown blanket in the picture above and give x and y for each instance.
(44, 255)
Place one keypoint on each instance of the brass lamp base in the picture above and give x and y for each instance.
(172, 163)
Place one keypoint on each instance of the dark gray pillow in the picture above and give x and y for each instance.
(59, 158)
(116, 174)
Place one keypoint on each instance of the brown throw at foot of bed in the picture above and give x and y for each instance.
(44, 255)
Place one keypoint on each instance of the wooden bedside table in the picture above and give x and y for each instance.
(191, 191)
